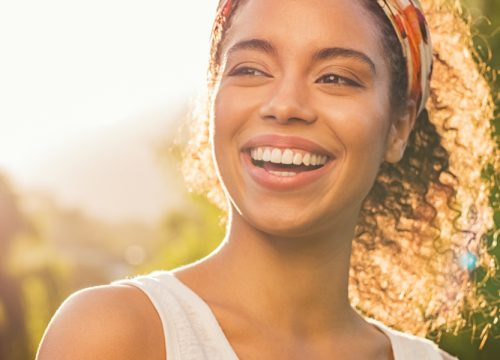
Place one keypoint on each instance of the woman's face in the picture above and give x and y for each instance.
(300, 80)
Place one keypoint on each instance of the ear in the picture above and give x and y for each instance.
(399, 132)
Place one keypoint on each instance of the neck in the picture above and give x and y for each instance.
(296, 285)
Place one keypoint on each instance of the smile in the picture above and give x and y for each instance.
(286, 163)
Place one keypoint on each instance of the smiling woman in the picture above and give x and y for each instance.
(346, 220)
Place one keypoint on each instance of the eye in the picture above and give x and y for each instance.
(247, 71)
(337, 80)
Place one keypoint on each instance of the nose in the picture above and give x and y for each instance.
(287, 102)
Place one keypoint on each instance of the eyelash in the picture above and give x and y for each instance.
(249, 71)
(246, 71)
(338, 78)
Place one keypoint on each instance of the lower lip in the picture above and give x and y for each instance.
(283, 183)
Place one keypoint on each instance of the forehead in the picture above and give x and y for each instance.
(302, 25)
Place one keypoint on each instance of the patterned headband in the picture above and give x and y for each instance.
(409, 23)
(411, 28)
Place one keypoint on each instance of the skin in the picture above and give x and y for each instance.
(278, 282)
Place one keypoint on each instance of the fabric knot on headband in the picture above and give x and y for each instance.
(408, 21)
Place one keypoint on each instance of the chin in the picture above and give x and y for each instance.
(280, 222)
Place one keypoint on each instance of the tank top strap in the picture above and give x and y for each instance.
(191, 331)
(408, 347)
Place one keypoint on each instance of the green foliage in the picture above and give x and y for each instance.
(186, 236)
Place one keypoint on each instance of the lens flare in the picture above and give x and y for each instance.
(468, 261)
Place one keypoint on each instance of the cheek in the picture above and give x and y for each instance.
(360, 124)
(366, 138)
(360, 127)
(230, 117)
(220, 132)
(223, 123)
(233, 112)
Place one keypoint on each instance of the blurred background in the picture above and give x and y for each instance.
(93, 95)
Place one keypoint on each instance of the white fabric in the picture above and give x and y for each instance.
(192, 331)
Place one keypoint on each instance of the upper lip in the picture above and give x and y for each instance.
(286, 142)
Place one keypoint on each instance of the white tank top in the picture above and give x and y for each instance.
(192, 331)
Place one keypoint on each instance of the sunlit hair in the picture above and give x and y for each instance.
(420, 257)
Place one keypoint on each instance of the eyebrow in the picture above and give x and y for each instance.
(253, 44)
(320, 55)
(336, 52)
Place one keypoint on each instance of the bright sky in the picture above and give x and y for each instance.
(70, 69)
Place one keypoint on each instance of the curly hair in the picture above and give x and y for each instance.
(421, 230)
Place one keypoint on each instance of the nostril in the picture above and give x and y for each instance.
(286, 110)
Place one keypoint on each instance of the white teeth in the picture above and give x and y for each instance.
(287, 156)
(276, 156)
(297, 159)
(266, 156)
(306, 160)
(260, 153)
(282, 173)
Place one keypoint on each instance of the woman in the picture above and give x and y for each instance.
(312, 105)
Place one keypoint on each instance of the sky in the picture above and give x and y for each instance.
(76, 75)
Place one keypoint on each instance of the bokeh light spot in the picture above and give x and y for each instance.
(135, 255)
(468, 261)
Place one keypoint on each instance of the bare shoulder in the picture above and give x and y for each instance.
(104, 322)
(446, 356)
